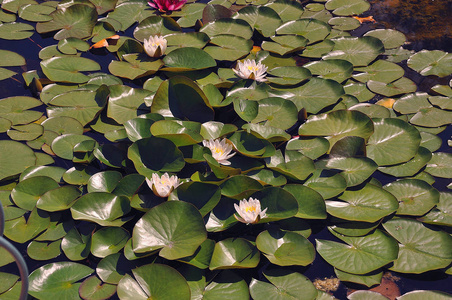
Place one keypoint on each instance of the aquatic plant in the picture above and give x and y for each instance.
(323, 128)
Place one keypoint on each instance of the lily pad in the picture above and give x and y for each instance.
(108, 240)
(154, 281)
(261, 18)
(15, 157)
(347, 8)
(420, 249)
(188, 59)
(151, 232)
(360, 51)
(391, 38)
(312, 29)
(285, 248)
(58, 199)
(234, 253)
(236, 27)
(76, 21)
(93, 288)
(366, 253)
(368, 204)
(440, 165)
(434, 62)
(68, 68)
(389, 136)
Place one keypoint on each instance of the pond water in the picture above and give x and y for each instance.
(427, 25)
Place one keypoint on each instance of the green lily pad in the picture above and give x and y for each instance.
(154, 281)
(234, 253)
(412, 103)
(16, 31)
(57, 279)
(8, 281)
(381, 71)
(155, 25)
(294, 164)
(336, 69)
(249, 145)
(191, 13)
(285, 44)
(15, 157)
(44, 250)
(280, 203)
(371, 279)
(68, 68)
(367, 253)
(368, 204)
(76, 21)
(112, 268)
(310, 203)
(421, 249)
(188, 59)
(215, 130)
(284, 285)
(21, 230)
(203, 196)
(285, 248)
(261, 18)
(287, 10)
(236, 27)
(201, 258)
(108, 240)
(368, 295)
(93, 288)
(360, 51)
(347, 8)
(276, 112)
(62, 125)
(171, 236)
(16, 109)
(58, 199)
(431, 117)
(186, 39)
(104, 181)
(76, 245)
(10, 59)
(63, 145)
(389, 136)
(400, 86)
(440, 165)
(318, 50)
(81, 105)
(337, 125)
(310, 147)
(239, 187)
(28, 191)
(79, 175)
(434, 62)
(155, 154)
(327, 183)
(415, 197)
(317, 94)
(102, 208)
(420, 294)
(288, 75)
(229, 47)
(355, 169)
(53, 172)
(344, 23)
(440, 215)
(181, 133)
(411, 167)
(312, 29)
(391, 38)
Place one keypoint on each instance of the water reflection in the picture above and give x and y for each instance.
(427, 24)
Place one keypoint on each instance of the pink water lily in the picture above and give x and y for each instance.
(167, 5)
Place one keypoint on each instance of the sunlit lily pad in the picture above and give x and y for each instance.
(441, 214)
(421, 249)
(327, 183)
(108, 240)
(44, 250)
(15, 157)
(422, 294)
(262, 18)
(28, 191)
(347, 8)
(400, 86)
(368, 204)
(434, 62)
(234, 253)
(93, 288)
(389, 136)
(76, 245)
(73, 21)
(228, 26)
(102, 208)
(366, 253)
(293, 164)
(17, 109)
(229, 47)
(15, 31)
(285, 248)
(287, 10)
(58, 280)
(170, 237)
(312, 29)
(411, 167)
(412, 103)
(317, 94)
(440, 165)
(310, 147)
(155, 25)
(432, 117)
(336, 69)
(187, 59)
(284, 285)
(360, 51)
(68, 68)
(381, 71)
(391, 38)
(154, 281)
(126, 103)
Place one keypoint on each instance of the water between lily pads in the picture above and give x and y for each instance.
(427, 25)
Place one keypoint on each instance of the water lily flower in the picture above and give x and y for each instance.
(250, 70)
(163, 186)
(249, 211)
(221, 150)
(166, 5)
(155, 46)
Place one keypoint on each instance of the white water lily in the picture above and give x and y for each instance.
(155, 46)
(221, 150)
(163, 186)
(250, 70)
(249, 211)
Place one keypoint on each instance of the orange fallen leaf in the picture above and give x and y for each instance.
(104, 42)
(256, 49)
(365, 19)
(387, 102)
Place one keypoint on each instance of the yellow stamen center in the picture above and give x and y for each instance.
(250, 208)
(254, 69)
(218, 150)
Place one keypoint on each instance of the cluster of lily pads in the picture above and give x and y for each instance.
(195, 166)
